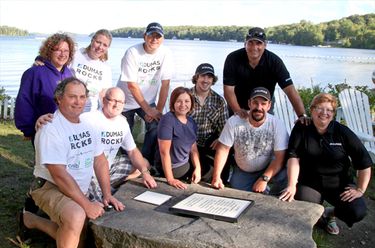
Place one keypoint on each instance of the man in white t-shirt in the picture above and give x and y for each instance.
(146, 69)
(115, 135)
(68, 151)
(260, 143)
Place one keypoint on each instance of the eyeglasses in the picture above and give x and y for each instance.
(61, 51)
(113, 101)
(322, 110)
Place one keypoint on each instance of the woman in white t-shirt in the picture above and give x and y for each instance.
(90, 66)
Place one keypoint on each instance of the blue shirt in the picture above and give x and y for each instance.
(182, 136)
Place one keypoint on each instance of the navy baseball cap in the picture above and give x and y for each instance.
(205, 68)
(154, 27)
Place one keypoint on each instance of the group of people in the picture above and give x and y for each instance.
(85, 149)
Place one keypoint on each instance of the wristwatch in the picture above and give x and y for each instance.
(265, 178)
(303, 115)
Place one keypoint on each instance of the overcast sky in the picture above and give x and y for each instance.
(87, 16)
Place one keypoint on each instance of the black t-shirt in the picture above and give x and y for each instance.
(269, 71)
(325, 159)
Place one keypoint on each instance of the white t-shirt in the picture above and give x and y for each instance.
(147, 70)
(96, 74)
(71, 144)
(254, 146)
(114, 132)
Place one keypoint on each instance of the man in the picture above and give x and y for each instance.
(67, 153)
(255, 66)
(144, 68)
(259, 141)
(210, 114)
(114, 135)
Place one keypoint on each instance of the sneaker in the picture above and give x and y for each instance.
(331, 226)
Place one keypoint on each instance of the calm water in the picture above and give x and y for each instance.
(307, 65)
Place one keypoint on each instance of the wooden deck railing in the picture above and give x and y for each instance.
(7, 109)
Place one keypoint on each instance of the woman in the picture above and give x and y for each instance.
(320, 157)
(177, 133)
(38, 83)
(90, 66)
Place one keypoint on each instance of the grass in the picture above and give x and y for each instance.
(16, 169)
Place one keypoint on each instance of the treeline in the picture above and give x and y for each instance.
(11, 31)
(357, 31)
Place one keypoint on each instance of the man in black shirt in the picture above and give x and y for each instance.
(254, 66)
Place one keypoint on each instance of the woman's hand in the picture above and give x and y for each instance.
(350, 194)
(43, 120)
(177, 184)
(196, 177)
(288, 193)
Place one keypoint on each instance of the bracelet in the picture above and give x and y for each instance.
(303, 115)
(147, 171)
(360, 190)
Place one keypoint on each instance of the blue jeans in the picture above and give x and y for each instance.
(150, 141)
(243, 180)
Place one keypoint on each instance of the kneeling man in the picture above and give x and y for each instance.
(260, 142)
(68, 151)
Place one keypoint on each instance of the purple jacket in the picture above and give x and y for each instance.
(35, 96)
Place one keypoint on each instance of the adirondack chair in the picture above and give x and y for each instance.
(356, 109)
(283, 109)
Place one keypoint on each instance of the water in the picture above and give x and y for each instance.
(307, 65)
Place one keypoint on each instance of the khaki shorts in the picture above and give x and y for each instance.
(50, 199)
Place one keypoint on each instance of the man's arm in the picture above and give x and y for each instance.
(140, 163)
(273, 168)
(101, 169)
(231, 98)
(296, 101)
(69, 187)
(138, 96)
(163, 95)
(221, 157)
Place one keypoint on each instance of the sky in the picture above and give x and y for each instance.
(87, 16)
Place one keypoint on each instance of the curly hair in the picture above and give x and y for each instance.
(54, 40)
(105, 33)
(176, 93)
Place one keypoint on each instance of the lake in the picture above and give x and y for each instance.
(307, 65)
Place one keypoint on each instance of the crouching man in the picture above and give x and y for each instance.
(68, 151)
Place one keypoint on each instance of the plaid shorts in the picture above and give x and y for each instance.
(118, 172)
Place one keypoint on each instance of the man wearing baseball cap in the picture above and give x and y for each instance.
(255, 66)
(210, 114)
(260, 142)
(144, 68)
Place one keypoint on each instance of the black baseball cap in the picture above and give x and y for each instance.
(154, 27)
(262, 92)
(256, 34)
(205, 68)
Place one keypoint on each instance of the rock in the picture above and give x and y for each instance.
(268, 223)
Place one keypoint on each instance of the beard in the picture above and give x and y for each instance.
(258, 118)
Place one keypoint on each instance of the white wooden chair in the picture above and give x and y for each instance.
(283, 109)
(356, 109)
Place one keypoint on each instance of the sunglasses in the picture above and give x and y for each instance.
(257, 35)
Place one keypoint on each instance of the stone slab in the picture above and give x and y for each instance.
(269, 223)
